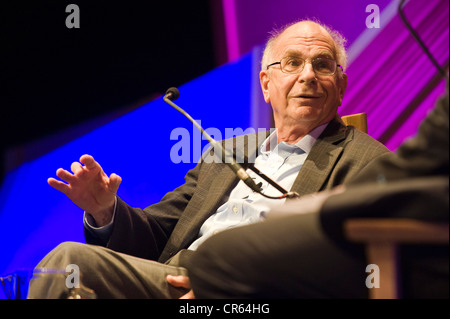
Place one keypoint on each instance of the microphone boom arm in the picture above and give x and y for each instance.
(172, 93)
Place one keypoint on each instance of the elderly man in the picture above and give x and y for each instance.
(141, 253)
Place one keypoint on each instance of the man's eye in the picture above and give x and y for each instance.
(323, 65)
(293, 62)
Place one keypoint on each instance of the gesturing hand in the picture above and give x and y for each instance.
(89, 188)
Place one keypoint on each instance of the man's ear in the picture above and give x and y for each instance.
(264, 80)
(342, 87)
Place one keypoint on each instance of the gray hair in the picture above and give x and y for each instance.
(338, 38)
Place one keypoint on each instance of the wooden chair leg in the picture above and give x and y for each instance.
(385, 255)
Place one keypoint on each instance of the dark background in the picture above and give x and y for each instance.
(123, 54)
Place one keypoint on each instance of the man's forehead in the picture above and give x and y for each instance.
(313, 53)
(308, 34)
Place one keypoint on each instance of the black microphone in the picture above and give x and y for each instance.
(227, 156)
(172, 93)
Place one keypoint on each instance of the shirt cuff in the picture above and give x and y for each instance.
(103, 232)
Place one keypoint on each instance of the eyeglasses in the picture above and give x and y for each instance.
(295, 65)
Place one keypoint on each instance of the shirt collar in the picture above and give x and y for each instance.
(305, 143)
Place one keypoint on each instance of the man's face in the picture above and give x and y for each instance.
(306, 99)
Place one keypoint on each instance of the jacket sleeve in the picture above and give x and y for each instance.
(144, 232)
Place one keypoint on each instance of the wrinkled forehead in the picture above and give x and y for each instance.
(305, 39)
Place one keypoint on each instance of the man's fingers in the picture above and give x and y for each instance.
(65, 175)
(189, 295)
(75, 167)
(114, 182)
(58, 185)
(179, 281)
(89, 162)
(90, 165)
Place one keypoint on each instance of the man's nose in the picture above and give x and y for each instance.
(308, 74)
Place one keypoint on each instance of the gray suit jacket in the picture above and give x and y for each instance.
(161, 230)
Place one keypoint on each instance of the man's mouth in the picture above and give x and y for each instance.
(307, 96)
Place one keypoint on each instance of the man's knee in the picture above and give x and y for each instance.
(69, 248)
(65, 254)
(68, 258)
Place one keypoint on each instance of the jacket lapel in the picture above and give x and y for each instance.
(321, 160)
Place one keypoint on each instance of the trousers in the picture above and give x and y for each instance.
(284, 257)
(110, 274)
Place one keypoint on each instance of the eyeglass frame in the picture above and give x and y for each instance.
(303, 67)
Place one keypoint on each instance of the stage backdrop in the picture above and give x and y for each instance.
(153, 146)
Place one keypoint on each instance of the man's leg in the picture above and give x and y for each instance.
(285, 257)
(110, 274)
